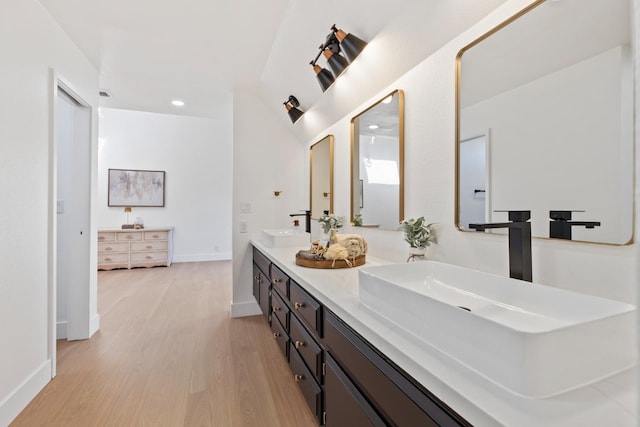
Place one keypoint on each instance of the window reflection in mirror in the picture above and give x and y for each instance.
(321, 176)
(377, 164)
(545, 120)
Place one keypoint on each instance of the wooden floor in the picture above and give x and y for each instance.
(168, 354)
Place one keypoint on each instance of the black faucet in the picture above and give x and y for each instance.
(560, 224)
(307, 220)
(519, 243)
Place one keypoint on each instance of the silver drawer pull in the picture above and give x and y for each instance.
(108, 248)
(277, 280)
(298, 305)
(276, 309)
(129, 237)
(297, 377)
(299, 344)
(108, 259)
(155, 236)
(149, 247)
(276, 334)
(149, 257)
(100, 237)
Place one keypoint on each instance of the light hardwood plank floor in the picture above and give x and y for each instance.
(168, 354)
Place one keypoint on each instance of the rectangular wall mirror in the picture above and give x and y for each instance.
(377, 164)
(321, 176)
(545, 121)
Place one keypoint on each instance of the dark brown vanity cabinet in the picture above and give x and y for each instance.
(345, 380)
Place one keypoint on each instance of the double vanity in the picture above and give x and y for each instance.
(428, 343)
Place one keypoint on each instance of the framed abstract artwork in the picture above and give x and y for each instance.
(129, 187)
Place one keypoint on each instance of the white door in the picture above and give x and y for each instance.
(73, 165)
(474, 182)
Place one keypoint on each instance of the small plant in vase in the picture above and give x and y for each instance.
(419, 235)
(330, 224)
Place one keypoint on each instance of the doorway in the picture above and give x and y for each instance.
(474, 202)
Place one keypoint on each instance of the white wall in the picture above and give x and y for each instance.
(31, 44)
(196, 154)
(430, 186)
(266, 158)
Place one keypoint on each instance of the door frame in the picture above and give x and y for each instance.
(56, 82)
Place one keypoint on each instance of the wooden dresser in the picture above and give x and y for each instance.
(149, 247)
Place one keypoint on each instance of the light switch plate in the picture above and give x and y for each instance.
(245, 207)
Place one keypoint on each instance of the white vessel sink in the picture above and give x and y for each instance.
(285, 238)
(534, 340)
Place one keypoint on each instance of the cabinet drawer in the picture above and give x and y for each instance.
(280, 309)
(113, 247)
(106, 236)
(306, 307)
(148, 256)
(156, 235)
(307, 347)
(261, 261)
(308, 386)
(280, 280)
(344, 404)
(397, 398)
(149, 245)
(129, 236)
(281, 337)
(116, 257)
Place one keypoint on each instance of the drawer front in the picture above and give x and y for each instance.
(106, 236)
(344, 404)
(149, 256)
(307, 347)
(281, 337)
(395, 396)
(129, 236)
(280, 309)
(306, 307)
(310, 389)
(115, 257)
(280, 280)
(261, 261)
(113, 247)
(150, 246)
(156, 235)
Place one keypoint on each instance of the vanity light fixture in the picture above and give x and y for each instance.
(292, 104)
(336, 43)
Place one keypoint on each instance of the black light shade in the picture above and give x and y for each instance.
(292, 104)
(350, 44)
(325, 78)
(337, 62)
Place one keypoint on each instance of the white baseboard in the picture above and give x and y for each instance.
(94, 325)
(216, 256)
(243, 309)
(19, 398)
(61, 330)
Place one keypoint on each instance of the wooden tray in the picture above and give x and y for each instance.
(309, 259)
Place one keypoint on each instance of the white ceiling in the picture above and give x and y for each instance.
(149, 52)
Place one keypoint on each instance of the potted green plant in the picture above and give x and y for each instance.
(419, 235)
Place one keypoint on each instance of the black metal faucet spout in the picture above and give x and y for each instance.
(307, 220)
(520, 264)
(560, 224)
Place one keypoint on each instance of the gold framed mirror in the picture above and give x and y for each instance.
(544, 121)
(321, 177)
(377, 164)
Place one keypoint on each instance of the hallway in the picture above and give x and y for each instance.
(168, 354)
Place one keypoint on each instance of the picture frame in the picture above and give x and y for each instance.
(136, 188)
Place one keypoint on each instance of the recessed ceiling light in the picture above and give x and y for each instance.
(372, 127)
(177, 103)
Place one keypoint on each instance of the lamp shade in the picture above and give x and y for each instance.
(337, 62)
(292, 104)
(350, 44)
(325, 78)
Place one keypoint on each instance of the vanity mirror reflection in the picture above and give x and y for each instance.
(377, 164)
(321, 176)
(545, 120)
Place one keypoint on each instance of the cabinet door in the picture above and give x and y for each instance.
(306, 307)
(344, 405)
(281, 337)
(306, 382)
(265, 295)
(279, 309)
(306, 345)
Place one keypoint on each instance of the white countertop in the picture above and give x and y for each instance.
(610, 402)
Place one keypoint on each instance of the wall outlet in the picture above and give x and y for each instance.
(244, 227)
